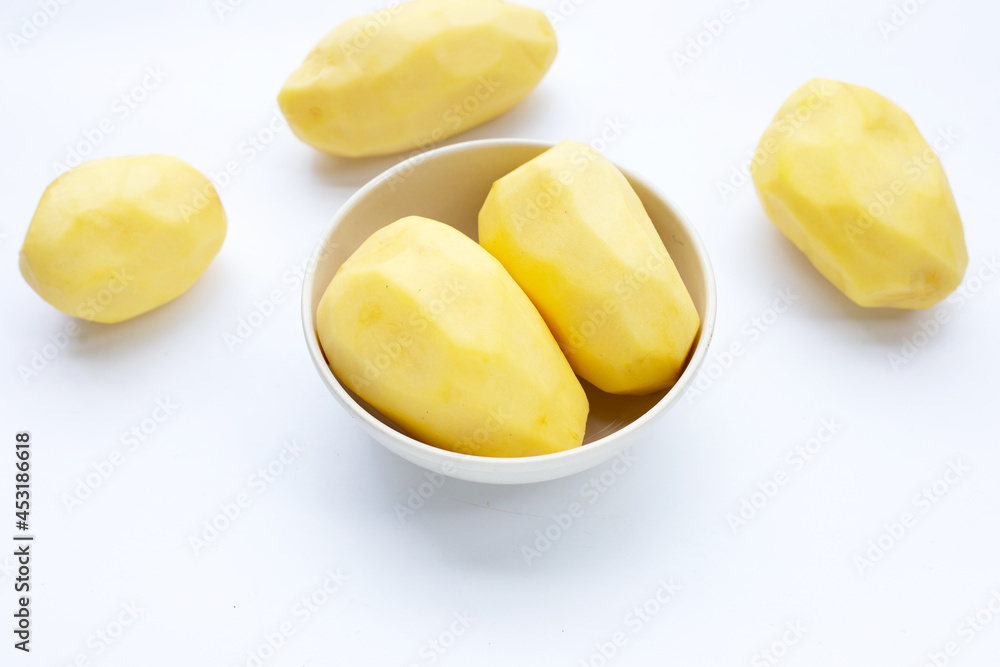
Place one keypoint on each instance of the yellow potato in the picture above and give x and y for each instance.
(845, 174)
(572, 232)
(416, 74)
(429, 329)
(114, 238)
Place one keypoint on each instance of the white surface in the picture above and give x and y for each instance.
(333, 506)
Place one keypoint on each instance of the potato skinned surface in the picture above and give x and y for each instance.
(117, 237)
(432, 69)
(430, 330)
(849, 179)
(574, 235)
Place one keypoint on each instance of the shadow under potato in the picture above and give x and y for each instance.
(154, 325)
(887, 326)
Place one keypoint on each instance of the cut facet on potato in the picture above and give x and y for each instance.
(847, 177)
(574, 235)
(429, 329)
(411, 76)
(114, 238)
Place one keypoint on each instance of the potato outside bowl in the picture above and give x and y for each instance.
(450, 184)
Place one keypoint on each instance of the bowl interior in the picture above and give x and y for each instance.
(451, 185)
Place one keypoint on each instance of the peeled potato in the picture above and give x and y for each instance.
(429, 329)
(115, 238)
(572, 232)
(851, 182)
(416, 74)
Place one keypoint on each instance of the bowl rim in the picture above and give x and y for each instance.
(454, 460)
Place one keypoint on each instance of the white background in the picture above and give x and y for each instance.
(335, 506)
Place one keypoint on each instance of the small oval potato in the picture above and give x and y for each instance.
(115, 238)
(574, 235)
(415, 74)
(847, 177)
(427, 327)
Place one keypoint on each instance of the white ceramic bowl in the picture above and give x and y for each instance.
(450, 184)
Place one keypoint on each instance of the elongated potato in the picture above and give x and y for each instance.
(847, 177)
(428, 328)
(114, 238)
(416, 74)
(572, 232)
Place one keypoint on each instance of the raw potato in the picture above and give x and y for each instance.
(572, 232)
(429, 329)
(415, 74)
(114, 238)
(846, 175)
